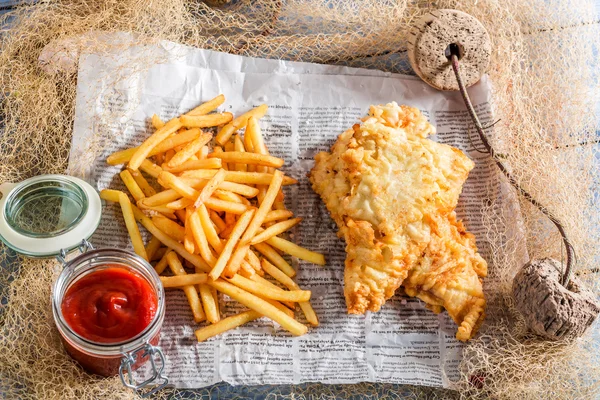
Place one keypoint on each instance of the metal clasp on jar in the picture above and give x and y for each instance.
(157, 377)
(83, 248)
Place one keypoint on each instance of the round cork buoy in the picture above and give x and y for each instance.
(428, 49)
(550, 309)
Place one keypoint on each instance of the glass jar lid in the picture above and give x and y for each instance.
(45, 214)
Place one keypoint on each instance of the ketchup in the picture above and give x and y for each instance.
(109, 305)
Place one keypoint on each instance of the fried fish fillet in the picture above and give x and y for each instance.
(388, 188)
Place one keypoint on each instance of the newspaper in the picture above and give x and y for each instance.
(309, 106)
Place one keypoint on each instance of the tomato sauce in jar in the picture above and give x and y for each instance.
(109, 305)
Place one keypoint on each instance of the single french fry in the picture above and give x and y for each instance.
(206, 121)
(275, 215)
(288, 282)
(171, 228)
(189, 289)
(132, 185)
(188, 240)
(123, 156)
(132, 228)
(215, 296)
(239, 147)
(225, 325)
(209, 229)
(200, 238)
(229, 196)
(239, 228)
(161, 134)
(254, 134)
(152, 246)
(248, 158)
(180, 204)
(220, 205)
(158, 254)
(196, 260)
(210, 187)
(275, 230)
(220, 225)
(257, 304)
(279, 203)
(142, 183)
(259, 279)
(264, 208)
(162, 264)
(239, 188)
(269, 292)
(162, 210)
(248, 146)
(157, 123)
(296, 251)
(188, 150)
(280, 307)
(236, 260)
(211, 163)
(150, 168)
(181, 281)
(275, 258)
(239, 122)
(203, 154)
(208, 301)
(177, 140)
(246, 269)
(169, 154)
(253, 260)
(163, 197)
(227, 232)
(173, 182)
(249, 178)
(208, 106)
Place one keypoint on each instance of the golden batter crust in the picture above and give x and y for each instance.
(392, 192)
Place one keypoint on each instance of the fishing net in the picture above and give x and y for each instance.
(545, 93)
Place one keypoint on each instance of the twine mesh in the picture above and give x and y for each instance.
(545, 92)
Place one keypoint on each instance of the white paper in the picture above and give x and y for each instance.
(309, 106)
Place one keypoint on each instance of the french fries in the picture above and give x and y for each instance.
(248, 158)
(257, 304)
(209, 106)
(239, 122)
(221, 210)
(180, 281)
(206, 121)
(249, 178)
(161, 134)
(132, 228)
(190, 291)
(226, 324)
(275, 230)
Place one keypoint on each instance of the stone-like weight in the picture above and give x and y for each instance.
(550, 309)
(429, 39)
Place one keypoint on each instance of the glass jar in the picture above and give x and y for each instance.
(51, 215)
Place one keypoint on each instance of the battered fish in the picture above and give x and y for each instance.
(392, 192)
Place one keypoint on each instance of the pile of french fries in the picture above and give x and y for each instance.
(220, 212)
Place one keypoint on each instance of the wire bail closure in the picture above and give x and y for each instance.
(84, 247)
(157, 378)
